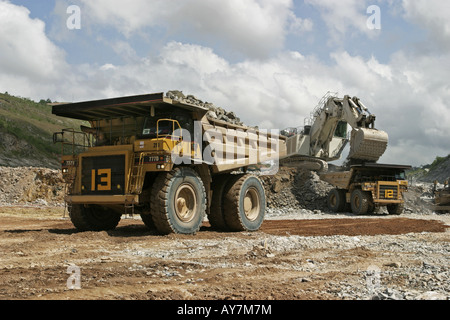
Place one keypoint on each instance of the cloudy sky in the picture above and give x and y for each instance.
(269, 61)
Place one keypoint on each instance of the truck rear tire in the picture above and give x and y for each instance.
(336, 200)
(360, 202)
(216, 215)
(244, 203)
(178, 202)
(93, 218)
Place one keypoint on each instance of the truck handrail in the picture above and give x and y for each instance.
(76, 140)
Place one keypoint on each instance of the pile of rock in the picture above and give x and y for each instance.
(294, 189)
(214, 113)
(27, 185)
(419, 198)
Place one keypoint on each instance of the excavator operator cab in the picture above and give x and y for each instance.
(307, 130)
(341, 130)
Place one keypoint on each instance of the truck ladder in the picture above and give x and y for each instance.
(68, 186)
(137, 176)
(136, 182)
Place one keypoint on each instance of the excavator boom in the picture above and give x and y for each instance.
(324, 136)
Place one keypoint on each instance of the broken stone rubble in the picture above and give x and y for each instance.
(214, 113)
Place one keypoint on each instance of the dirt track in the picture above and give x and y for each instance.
(286, 259)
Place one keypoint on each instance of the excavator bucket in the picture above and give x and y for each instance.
(368, 144)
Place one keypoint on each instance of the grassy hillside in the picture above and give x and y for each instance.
(26, 132)
(438, 170)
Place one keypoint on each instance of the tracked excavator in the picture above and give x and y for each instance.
(361, 184)
(325, 135)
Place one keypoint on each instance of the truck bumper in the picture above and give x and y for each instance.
(387, 202)
(103, 200)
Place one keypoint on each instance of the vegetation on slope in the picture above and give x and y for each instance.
(438, 170)
(26, 132)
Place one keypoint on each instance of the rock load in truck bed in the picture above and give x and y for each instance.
(214, 113)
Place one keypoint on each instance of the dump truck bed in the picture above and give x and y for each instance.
(133, 106)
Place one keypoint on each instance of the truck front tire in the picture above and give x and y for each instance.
(178, 202)
(93, 218)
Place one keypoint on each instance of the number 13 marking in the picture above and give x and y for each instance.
(105, 180)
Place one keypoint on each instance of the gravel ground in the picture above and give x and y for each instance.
(279, 262)
(415, 266)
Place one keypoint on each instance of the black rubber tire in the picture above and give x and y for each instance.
(395, 209)
(148, 220)
(360, 202)
(336, 200)
(163, 204)
(216, 215)
(241, 189)
(93, 218)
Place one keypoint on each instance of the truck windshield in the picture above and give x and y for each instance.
(150, 125)
(400, 176)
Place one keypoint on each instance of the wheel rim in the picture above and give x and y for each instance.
(333, 200)
(185, 203)
(357, 201)
(251, 204)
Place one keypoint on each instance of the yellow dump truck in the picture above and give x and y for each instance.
(165, 159)
(367, 186)
(442, 197)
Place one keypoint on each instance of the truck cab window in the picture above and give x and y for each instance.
(149, 128)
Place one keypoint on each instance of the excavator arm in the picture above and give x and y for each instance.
(325, 136)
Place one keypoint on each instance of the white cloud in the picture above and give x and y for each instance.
(432, 15)
(26, 51)
(255, 28)
(343, 18)
(128, 16)
(383, 70)
(299, 26)
(200, 59)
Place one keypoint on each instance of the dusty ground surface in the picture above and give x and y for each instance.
(295, 256)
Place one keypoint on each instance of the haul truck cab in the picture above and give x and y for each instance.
(129, 160)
